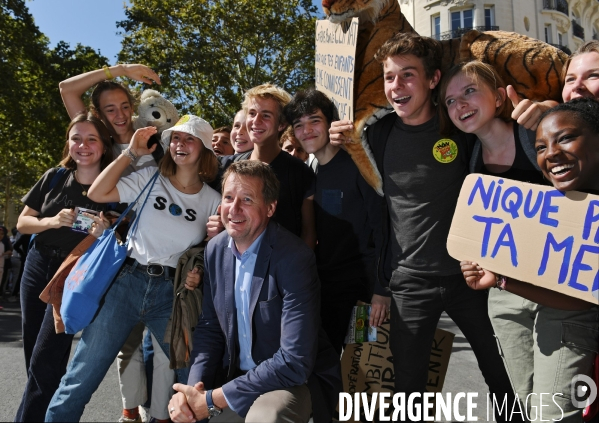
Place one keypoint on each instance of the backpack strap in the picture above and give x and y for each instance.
(60, 172)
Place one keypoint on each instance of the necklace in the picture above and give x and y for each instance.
(188, 186)
(84, 191)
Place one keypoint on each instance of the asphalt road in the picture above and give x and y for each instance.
(105, 406)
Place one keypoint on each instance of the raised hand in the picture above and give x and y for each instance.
(526, 112)
(139, 141)
(140, 73)
(340, 132)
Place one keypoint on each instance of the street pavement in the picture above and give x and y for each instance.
(105, 406)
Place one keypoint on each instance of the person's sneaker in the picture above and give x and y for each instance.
(124, 419)
(144, 412)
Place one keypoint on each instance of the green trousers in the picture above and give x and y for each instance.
(543, 349)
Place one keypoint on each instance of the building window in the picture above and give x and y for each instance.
(548, 35)
(461, 19)
(577, 29)
(489, 17)
(436, 26)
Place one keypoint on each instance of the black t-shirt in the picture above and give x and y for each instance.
(345, 206)
(66, 193)
(297, 184)
(522, 169)
(423, 177)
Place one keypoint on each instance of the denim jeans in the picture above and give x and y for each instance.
(38, 271)
(416, 307)
(134, 296)
(543, 349)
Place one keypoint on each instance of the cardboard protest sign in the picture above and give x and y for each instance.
(528, 232)
(368, 367)
(335, 63)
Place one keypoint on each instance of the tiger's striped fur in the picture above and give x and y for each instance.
(531, 66)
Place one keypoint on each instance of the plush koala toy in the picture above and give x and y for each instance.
(155, 110)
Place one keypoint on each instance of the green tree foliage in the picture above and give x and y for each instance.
(33, 119)
(208, 52)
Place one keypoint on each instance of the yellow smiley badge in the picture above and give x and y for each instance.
(445, 150)
(183, 119)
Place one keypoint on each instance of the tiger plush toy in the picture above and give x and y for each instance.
(532, 67)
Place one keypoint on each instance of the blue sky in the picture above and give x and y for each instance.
(89, 22)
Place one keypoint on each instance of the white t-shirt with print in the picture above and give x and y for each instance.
(171, 221)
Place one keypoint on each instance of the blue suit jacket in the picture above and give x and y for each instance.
(288, 345)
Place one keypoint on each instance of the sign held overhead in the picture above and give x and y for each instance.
(335, 63)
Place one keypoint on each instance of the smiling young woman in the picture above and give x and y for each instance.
(239, 134)
(111, 102)
(568, 145)
(173, 221)
(49, 213)
(114, 104)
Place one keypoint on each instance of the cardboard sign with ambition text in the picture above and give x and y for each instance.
(529, 232)
(335, 63)
(368, 367)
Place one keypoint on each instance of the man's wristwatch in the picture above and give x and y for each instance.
(213, 410)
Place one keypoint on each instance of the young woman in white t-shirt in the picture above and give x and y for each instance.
(173, 219)
(114, 104)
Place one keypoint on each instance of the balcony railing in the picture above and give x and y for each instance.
(562, 48)
(559, 5)
(457, 33)
(577, 30)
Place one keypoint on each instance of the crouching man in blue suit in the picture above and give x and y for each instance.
(260, 319)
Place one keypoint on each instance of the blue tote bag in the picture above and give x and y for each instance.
(93, 273)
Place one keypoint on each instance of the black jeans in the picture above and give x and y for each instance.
(337, 302)
(418, 302)
(38, 271)
(48, 365)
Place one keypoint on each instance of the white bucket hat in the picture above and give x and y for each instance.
(193, 125)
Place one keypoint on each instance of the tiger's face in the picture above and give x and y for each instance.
(341, 10)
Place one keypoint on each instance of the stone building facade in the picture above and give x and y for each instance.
(563, 23)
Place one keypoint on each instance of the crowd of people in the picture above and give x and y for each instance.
(258, 238)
